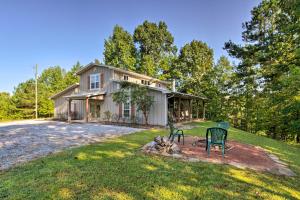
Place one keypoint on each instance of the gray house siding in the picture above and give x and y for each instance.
(84, 78)
(61, 106)
(157, 114)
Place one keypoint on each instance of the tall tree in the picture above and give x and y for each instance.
(156, 49)
(119, 50)
(71, 78)
(7, 107)
(24, 99)
(194, 61)
(220, 91)
(269, 60)
(51, 81)
(97, 62)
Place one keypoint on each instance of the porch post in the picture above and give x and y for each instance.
(179, 111)
(174, 110)
(203, 109)
(191, 109)
(69, 110)
(197, 105)
(86, 109)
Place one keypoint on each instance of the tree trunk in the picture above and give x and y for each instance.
(146, 117)
(297, 138)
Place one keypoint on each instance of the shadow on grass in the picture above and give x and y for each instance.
(117, 169)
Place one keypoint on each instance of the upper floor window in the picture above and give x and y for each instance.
(125, 77)
(94, 81)
(144, 82)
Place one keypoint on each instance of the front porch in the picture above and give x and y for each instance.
(89, 106)
(186, 107)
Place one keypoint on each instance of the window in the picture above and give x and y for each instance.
(159, 85)
(144, 82)
(125, 78)
(126, 109)
(94, 81)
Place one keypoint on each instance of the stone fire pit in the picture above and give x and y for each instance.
(162, 145)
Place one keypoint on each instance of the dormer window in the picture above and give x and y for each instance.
(125, 77)
(94, 81)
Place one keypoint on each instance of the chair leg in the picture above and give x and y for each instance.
(178, 138)
(208, 149)
(223, 150)
(182, 139)
(171, 138)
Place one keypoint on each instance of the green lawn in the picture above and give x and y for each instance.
(116, 169)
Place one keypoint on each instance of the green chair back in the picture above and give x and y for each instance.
(224, 125)
(217, 135)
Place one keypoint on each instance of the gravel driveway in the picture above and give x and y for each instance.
(22, 141)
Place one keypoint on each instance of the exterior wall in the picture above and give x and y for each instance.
(158, 112)
(135, 79)
(61, 106)
(107, 75)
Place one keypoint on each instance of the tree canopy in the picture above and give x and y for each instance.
(119, 50)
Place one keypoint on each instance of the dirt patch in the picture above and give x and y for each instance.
(236, 154)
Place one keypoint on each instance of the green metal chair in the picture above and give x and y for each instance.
(174, 132)
(224, 125)
(218, 137)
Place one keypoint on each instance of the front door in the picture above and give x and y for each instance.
(95, 110)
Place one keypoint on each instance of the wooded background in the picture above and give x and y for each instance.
(260, 93)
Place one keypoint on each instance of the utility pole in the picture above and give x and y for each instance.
(36, 91)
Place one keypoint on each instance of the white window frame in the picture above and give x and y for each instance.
(129, 109)
(93, 77)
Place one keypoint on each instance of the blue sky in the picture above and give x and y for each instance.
(62, 32)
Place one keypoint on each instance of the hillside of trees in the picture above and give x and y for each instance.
(259, 94)
(21, 104)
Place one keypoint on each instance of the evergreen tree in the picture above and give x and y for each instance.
(269, 60)
(71, 78)
(24, 99)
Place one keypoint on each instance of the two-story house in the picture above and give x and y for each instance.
(92, 97)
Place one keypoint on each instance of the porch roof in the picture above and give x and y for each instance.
(76, 85)
(84, 95)
(185, 96)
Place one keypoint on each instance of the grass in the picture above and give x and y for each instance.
(116, 169)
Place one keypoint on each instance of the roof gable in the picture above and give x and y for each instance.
(76, 85)
(91, 65)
